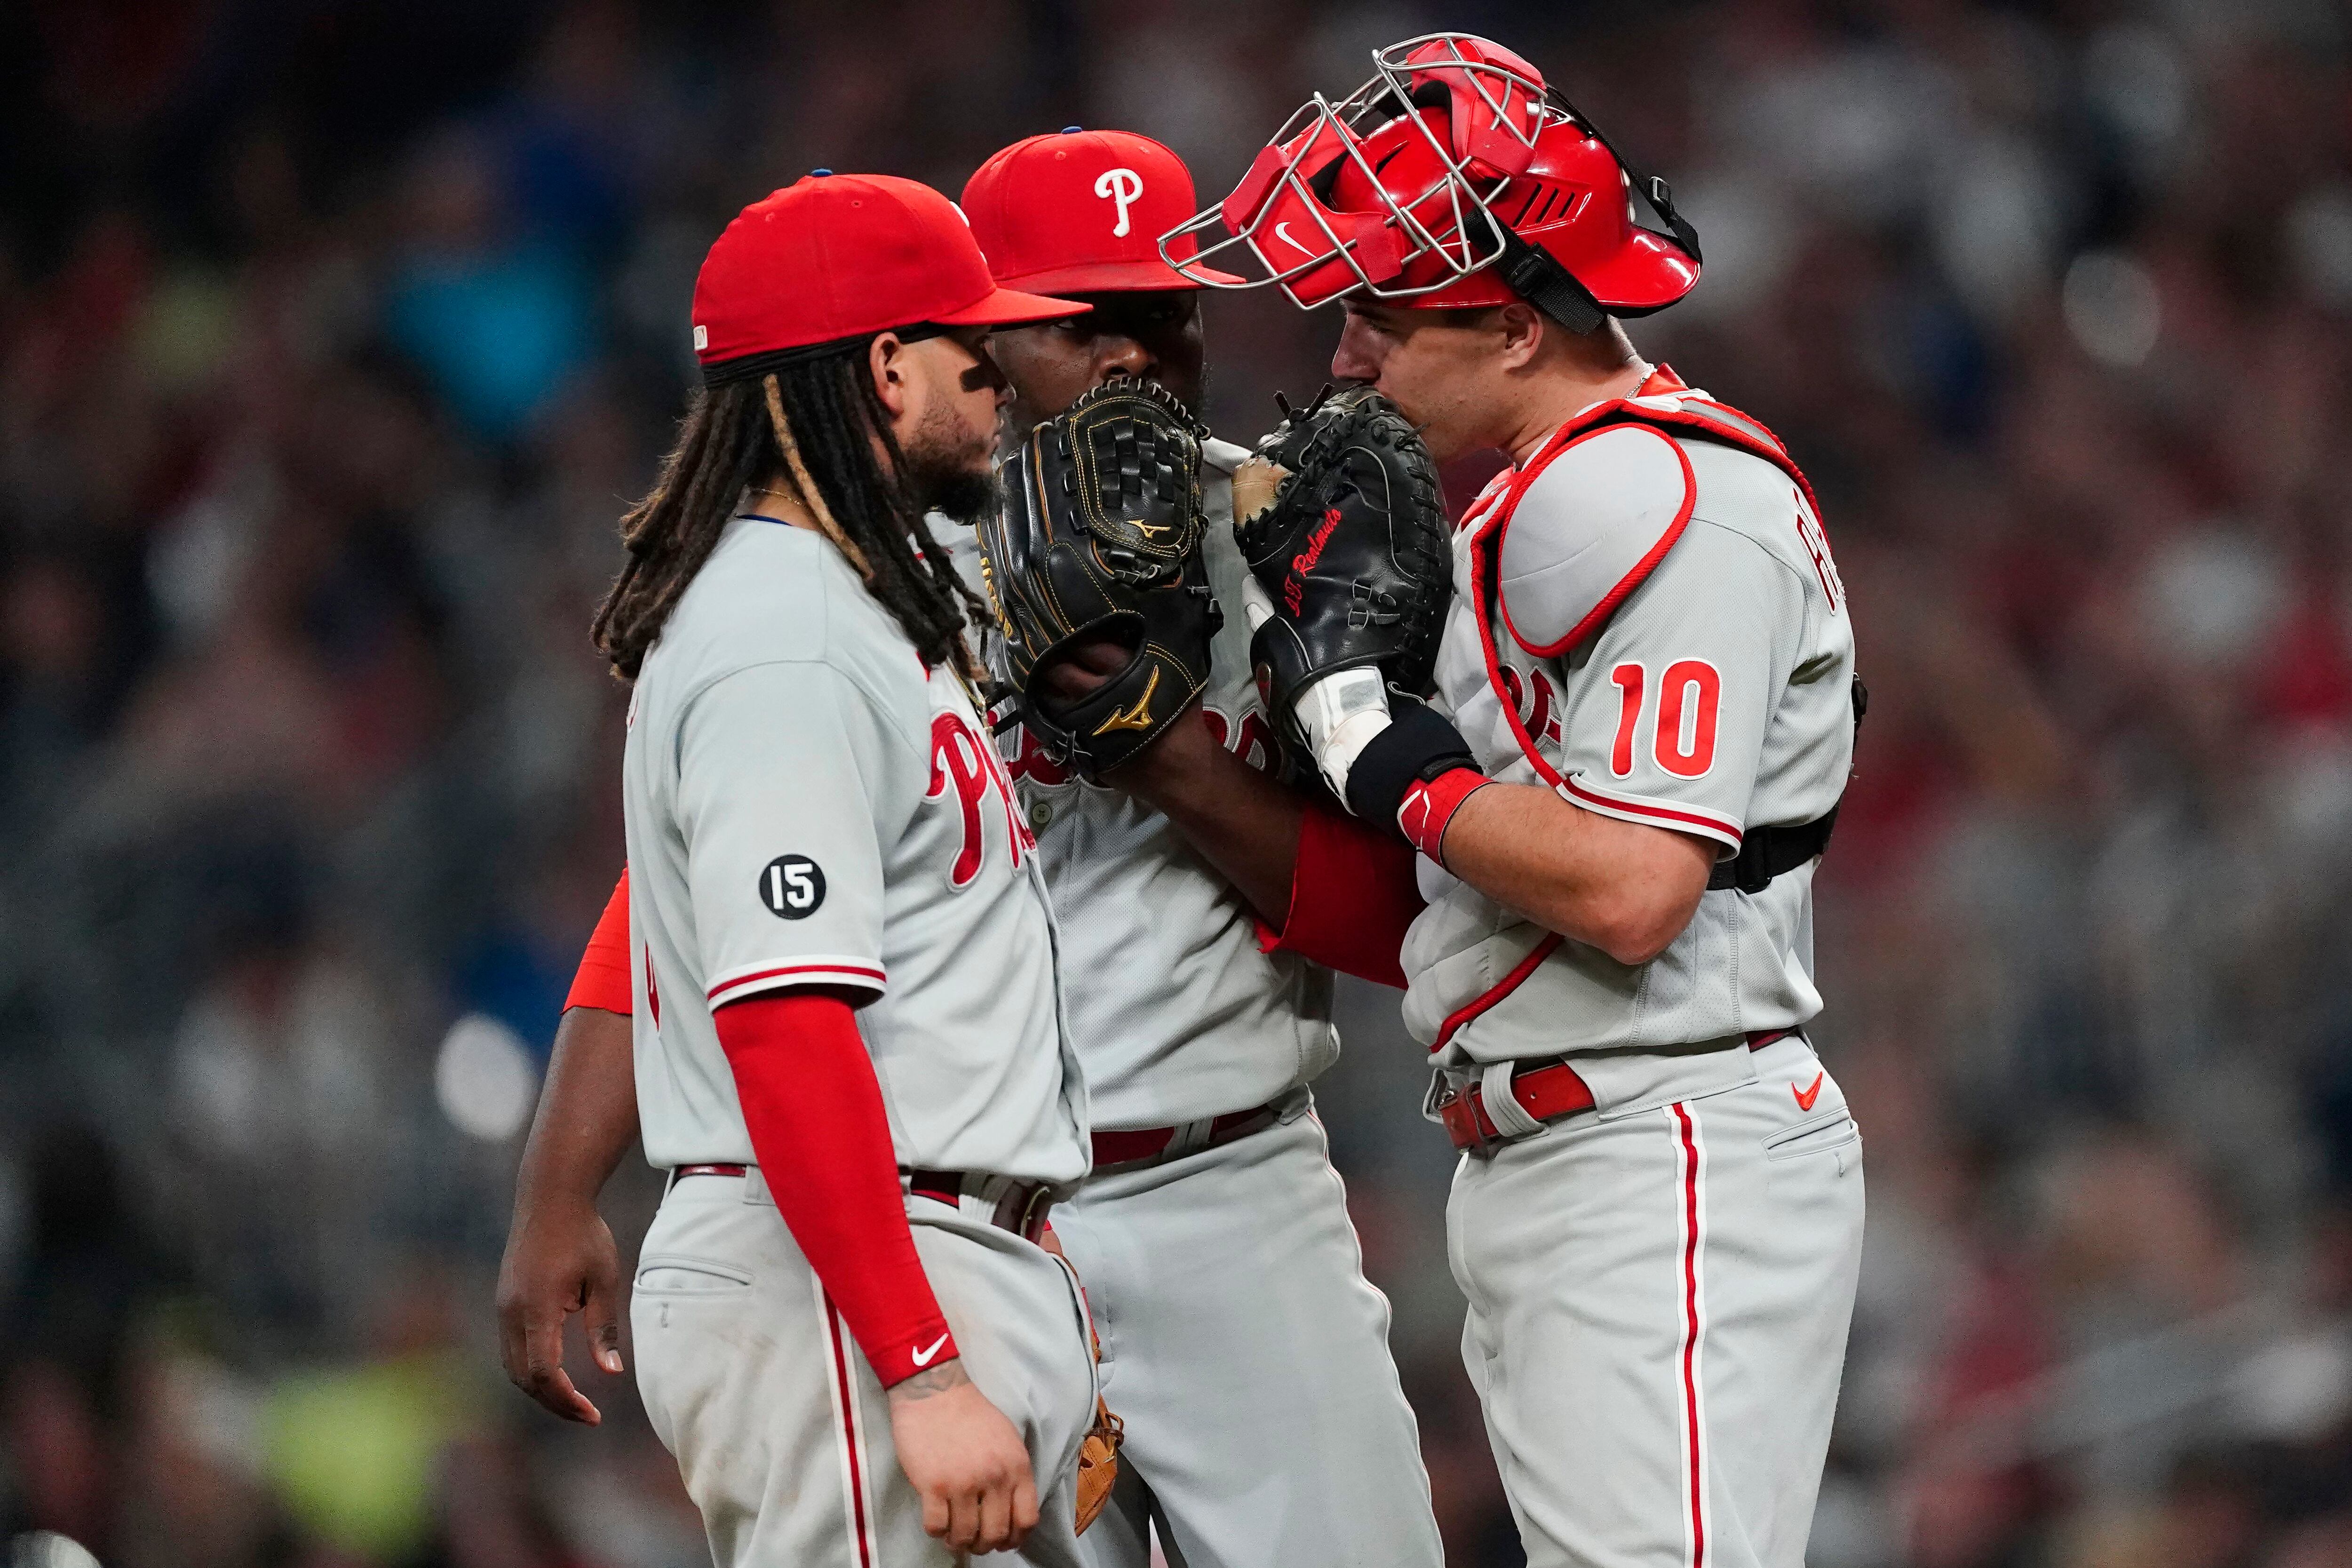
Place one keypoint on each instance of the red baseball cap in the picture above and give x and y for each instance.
(1084, 210)
(841, 257)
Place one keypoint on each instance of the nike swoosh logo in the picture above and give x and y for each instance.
(1806, 1096)
(1281, 233)
(923, 1357)
(1136, 718)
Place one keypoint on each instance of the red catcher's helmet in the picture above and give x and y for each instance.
(1453, 177)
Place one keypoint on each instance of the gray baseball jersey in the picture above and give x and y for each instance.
(1178, 1012)
(1666, 642)
(807, 804)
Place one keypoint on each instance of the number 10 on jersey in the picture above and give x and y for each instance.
(1689, 695)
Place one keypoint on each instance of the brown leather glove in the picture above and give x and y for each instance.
(1098, 1455)
(1098, 1464)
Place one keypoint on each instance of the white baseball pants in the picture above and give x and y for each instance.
(1250, 1359)
(780, 1427)
(1658, 1312)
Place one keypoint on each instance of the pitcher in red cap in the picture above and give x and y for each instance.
(1616, 798)
(1214, 1235)
(848, 1046)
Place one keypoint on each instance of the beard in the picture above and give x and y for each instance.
(942, 475)
(955, 493)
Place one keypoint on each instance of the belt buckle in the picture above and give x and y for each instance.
(1021, 1210)
(1450, 1103)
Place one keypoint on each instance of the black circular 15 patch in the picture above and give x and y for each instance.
(792, 886)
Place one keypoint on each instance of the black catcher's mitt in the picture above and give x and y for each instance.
(1098, 535)
(1353, 552)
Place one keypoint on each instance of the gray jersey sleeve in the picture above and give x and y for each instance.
(788, 787)
(1666, 726)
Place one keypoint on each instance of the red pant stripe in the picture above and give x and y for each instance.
(1691, 1159)
(853, 1446)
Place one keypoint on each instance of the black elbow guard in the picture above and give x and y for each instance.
(1419, 746)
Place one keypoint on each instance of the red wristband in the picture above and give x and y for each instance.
(1430, 805)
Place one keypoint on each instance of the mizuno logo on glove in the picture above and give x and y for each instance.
(1138, 717)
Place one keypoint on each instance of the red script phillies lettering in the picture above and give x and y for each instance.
(960, 757)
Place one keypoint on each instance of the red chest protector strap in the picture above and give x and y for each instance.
(1672, 407)
(1664, 403)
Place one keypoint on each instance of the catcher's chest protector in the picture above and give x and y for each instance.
(1537, 589)
(1648, 621)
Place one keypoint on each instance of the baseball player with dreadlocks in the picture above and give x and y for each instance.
(1240, 1342)
(849, 1049)
(1642, 719)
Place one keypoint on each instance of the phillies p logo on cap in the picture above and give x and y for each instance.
(1122, 187)
(1081, 210)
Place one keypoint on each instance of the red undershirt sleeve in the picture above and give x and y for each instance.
(1352, 894)
(823, 1140)
(603, 980)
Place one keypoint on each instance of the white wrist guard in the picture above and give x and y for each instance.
(1341, 714)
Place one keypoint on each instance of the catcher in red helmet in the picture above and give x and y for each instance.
(1600, 805)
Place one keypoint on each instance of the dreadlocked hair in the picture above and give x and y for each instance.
(812, 427)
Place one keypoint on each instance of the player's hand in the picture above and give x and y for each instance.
(558, 1262)
(966, 1462)
(1254, 482)
(1089, 664)
(1077, 673)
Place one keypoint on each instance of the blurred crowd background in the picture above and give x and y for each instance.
(334, 335)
